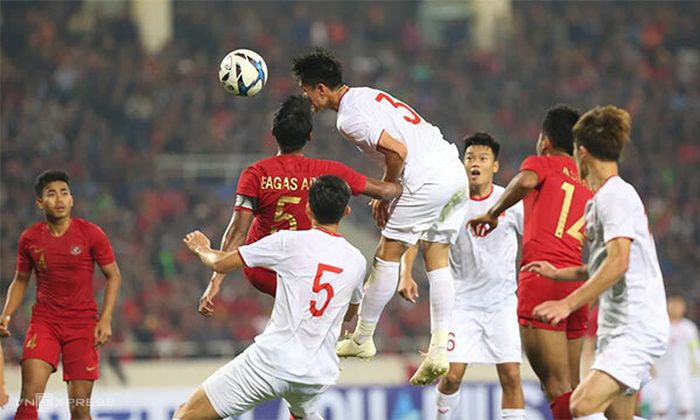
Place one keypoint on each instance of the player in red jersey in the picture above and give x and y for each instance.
(62, 251)
(554, 200)
(272, 193)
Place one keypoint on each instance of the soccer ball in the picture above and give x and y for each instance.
(243, 72)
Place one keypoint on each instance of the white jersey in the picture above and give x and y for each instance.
(636, 303)
(484, 267)
(317, 274)
(682, 354)
(364, 113)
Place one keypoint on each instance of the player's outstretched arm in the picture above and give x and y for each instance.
(103, 330)
(521, 184)
(408, 288)
(382, 190)
(545, 269)
(613, 267)
(221, 262)
(234, 236)
(15, 295)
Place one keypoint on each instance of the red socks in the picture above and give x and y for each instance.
(26, 411)
(560, 407)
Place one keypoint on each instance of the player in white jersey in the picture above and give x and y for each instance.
(673, 379)
(318, 275)
(484, 319)
(429, 212)
(622, 269)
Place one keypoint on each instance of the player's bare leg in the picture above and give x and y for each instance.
(596, 394)
(435, 364)
(447, 399)
(35, 375)
(379, 289)
(623, 407)
(79, 393)
(547, 352)
(587, 355)
(513, 401)
(197, 407)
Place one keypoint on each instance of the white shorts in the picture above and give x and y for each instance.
(239, 386)
(628, 358)
(435, 212)
(485, 337)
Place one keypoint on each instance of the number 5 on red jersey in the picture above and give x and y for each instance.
(318, 287)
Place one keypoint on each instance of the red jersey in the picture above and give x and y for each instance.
(553, 218)
(64, 266)
(280, 187)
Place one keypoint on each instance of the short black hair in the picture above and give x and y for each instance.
(317, 67)
(328, 197)
(482, 139)
(292, 123)
(558, 125)
(46, 177)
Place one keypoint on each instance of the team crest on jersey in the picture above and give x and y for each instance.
(76, 250)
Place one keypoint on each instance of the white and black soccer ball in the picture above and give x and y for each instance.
(243, 72)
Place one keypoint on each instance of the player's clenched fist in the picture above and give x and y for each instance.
(483, 225)
(552, 311)
(4, 326)
(196, 241)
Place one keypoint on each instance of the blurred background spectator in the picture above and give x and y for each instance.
(79, 92)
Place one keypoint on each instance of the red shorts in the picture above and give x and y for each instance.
(534, 289)
(262, 279)
(74, 341)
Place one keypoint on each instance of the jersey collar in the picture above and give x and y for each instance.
(328, 232)
(484, 197)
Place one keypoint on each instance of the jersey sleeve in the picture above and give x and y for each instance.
(249, 184)
(360, 130)
(267, 252)
(518, 217)
(614, 213)
(355, 180)
(100, 248)
(538, 165)
(359, 290)
(24, 256)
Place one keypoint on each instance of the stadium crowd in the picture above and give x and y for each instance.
(85, 97)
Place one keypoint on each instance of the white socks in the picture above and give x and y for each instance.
(596, 416)
(442, 298)
(441, 302)
(379, 289)
(513, 413)
(446, 405)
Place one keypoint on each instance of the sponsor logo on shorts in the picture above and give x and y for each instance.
(91, 368)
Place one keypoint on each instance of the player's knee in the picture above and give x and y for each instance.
(79, 411)
(510, 378)
(555, 386)
(579, 406)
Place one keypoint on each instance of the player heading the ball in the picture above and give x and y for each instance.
(430, 211)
